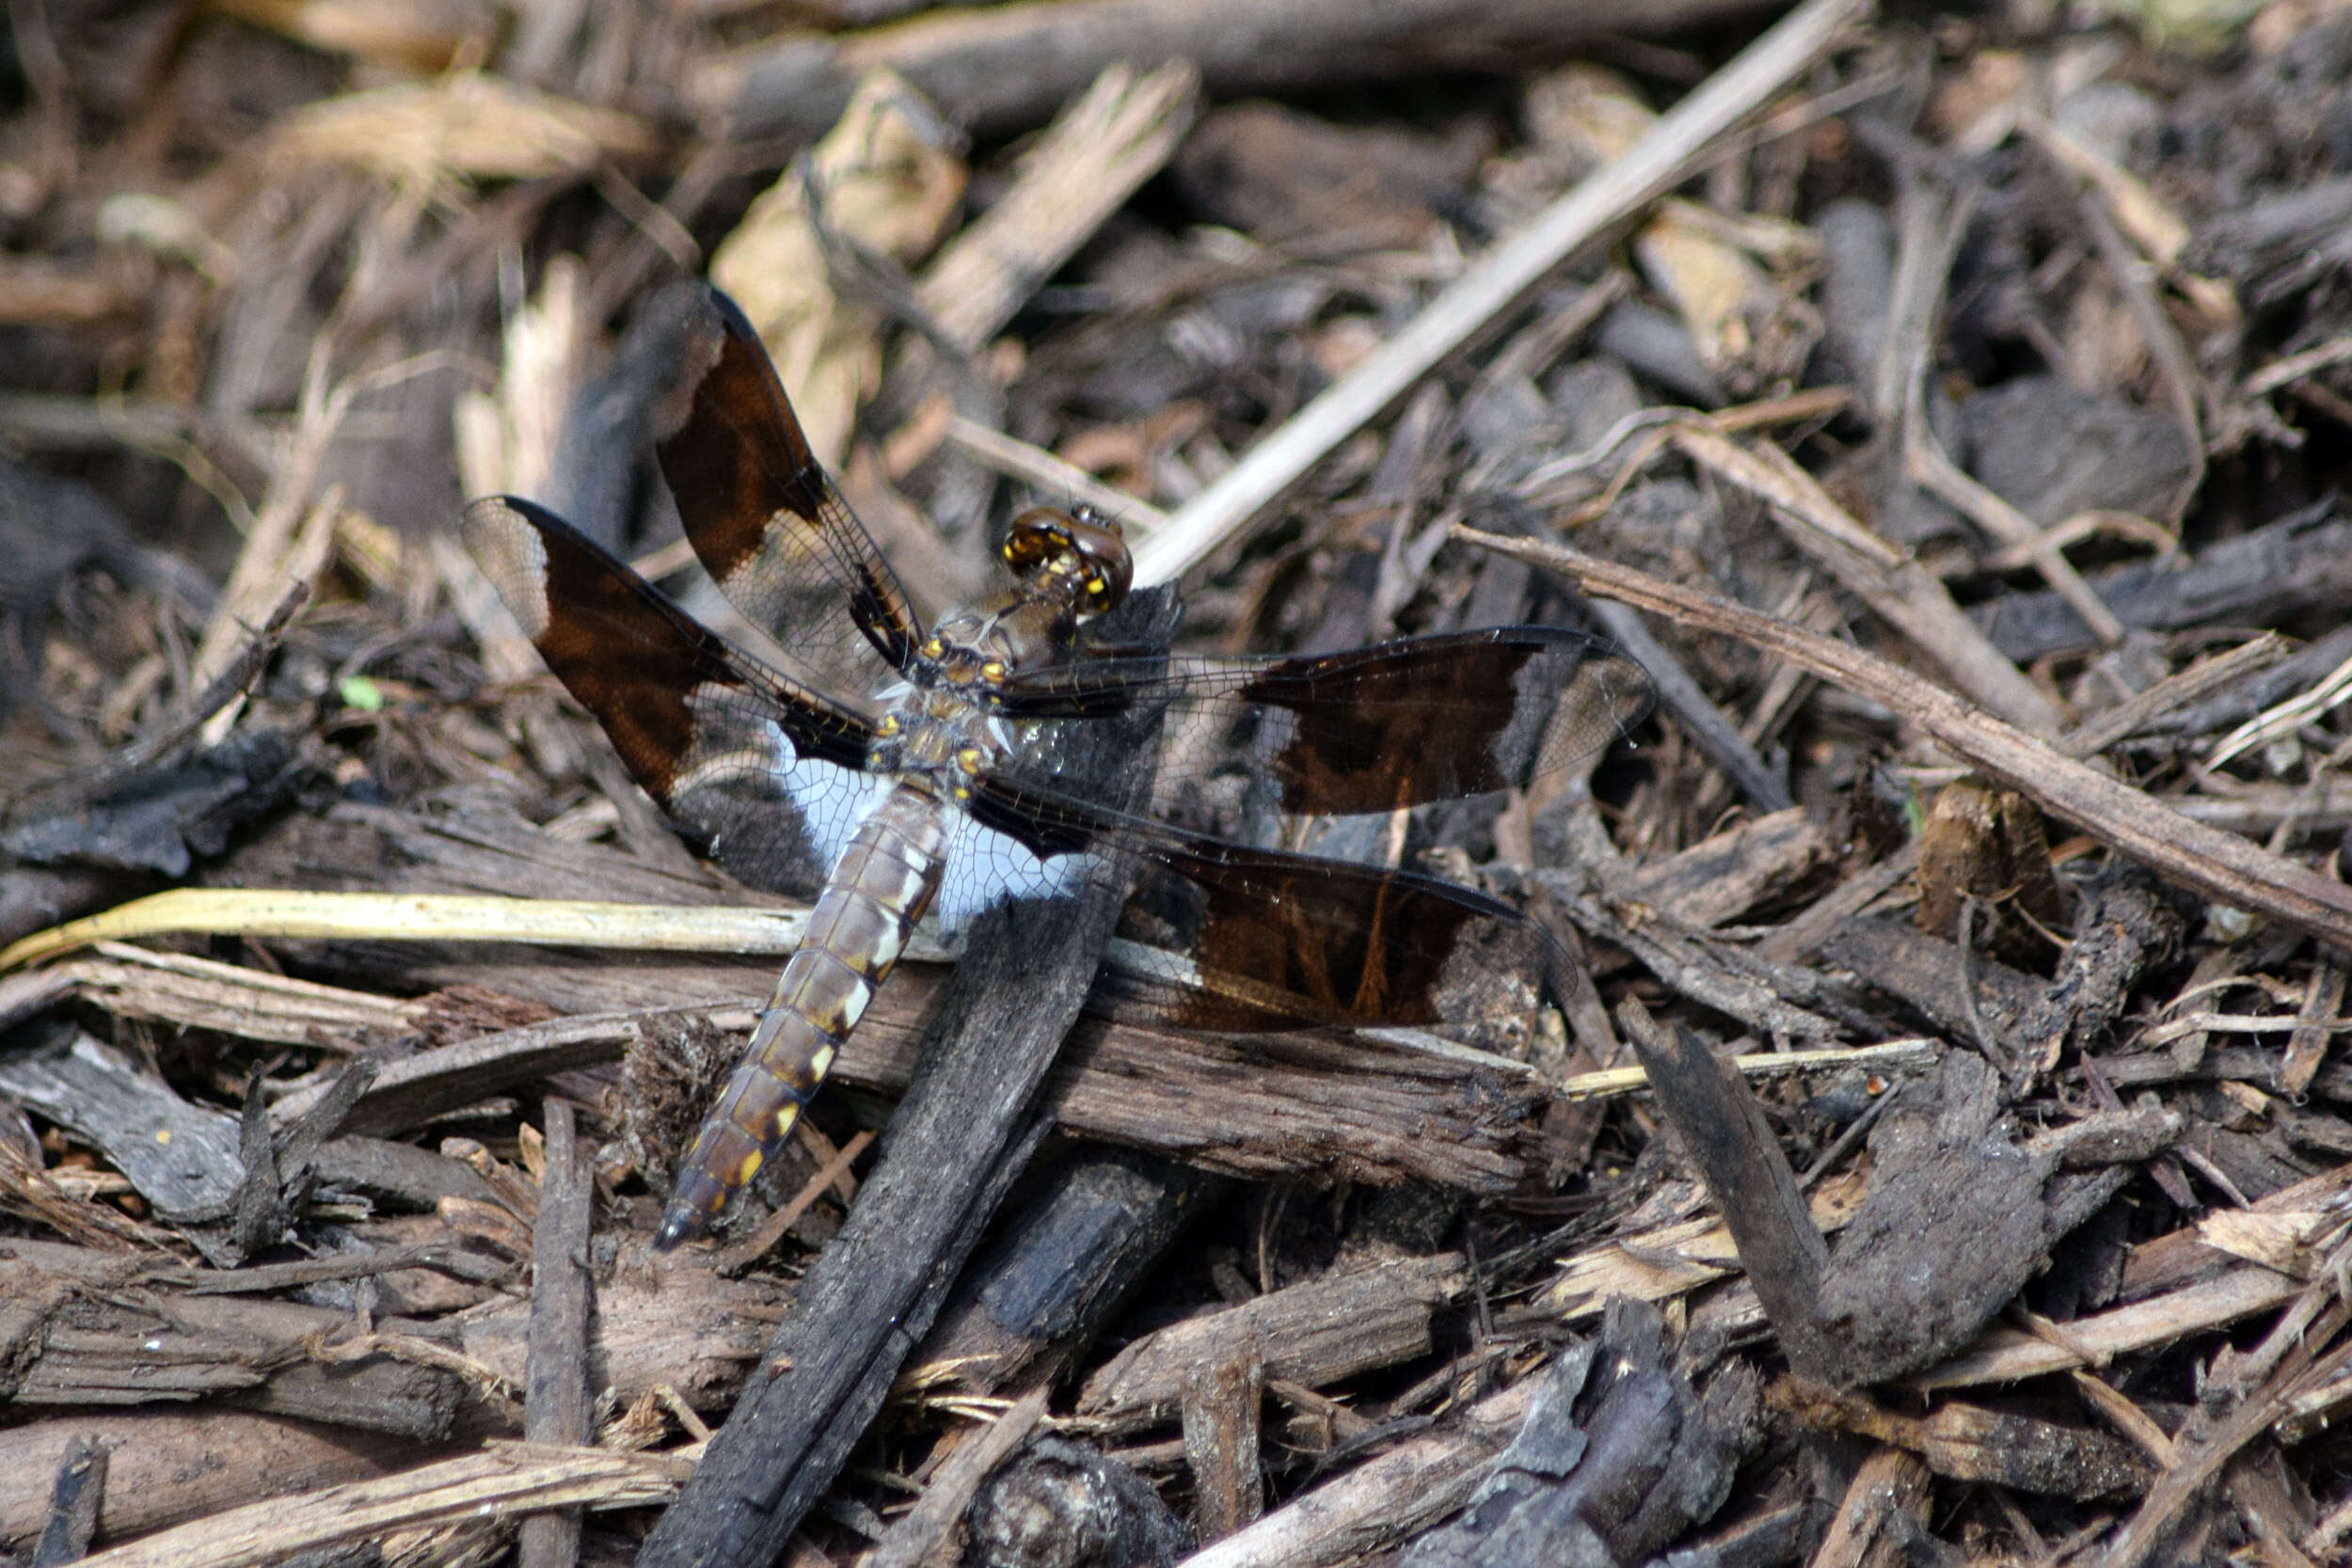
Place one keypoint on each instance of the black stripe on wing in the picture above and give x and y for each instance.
(763, 516)
(703, 726)
(1312, 942)
(1395, 724)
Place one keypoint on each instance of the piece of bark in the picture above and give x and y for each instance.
(654, 1327)
(1068, 1505)
(1722, 975)
(2125, 928)
(1061, 1268)
(168, 1466)
(696, 1333)
(1970, 1442)
(1311, 1333)
(1103, 145)
(1221, 1426)
(478, 846)
(555, 1393)
(1721, 877)
(180, 1157)
(1924, 972)
(1009, 68)
(2301, 562)
(1722, 1127)
(398, 1174)
(1618, 1458)
(190, 992)
(952, 1151)
(1959, 1215)
(166, 818)
(81, 1337)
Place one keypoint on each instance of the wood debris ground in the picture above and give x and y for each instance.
(1940, 405)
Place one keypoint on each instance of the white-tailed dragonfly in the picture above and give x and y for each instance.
(941, 789)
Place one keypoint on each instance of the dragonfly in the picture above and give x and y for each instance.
(894, 771)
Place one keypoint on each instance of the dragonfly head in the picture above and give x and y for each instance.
(1077, 558)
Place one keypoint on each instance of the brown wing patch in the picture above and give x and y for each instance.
(763, 516)
(1399, 723)
(697, 722)
(1336, 942)
(1436, 718)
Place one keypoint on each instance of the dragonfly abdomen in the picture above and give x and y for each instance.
(884, 882)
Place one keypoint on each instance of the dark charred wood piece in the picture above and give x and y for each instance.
(1069, 1505)
(166, 818)
(280, 1167)
(1764, 995)
(1062, 1267)
(397, 1175)
(1924, 973)
(1751, 863)
(180, 1157)
(73, 1504)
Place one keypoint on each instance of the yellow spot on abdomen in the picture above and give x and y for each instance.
(749, 1168)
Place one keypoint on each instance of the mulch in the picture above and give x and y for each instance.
(1932, 1150)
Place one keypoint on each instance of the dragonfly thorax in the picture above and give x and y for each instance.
(939, 736)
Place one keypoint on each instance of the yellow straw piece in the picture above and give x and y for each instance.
(423, 917)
